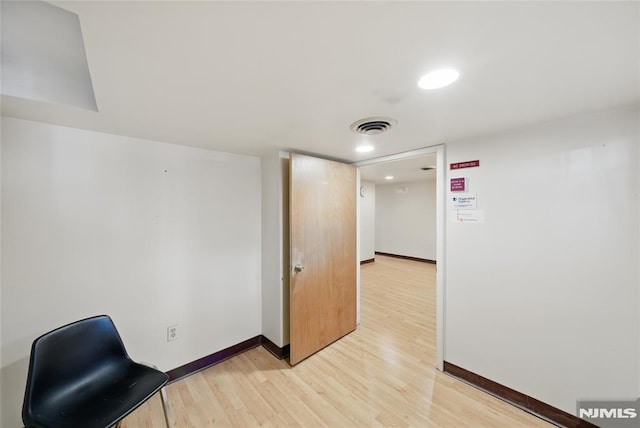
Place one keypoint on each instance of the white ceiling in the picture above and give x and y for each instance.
(249, 77)
(402, 171)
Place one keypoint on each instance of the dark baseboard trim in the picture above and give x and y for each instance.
(276, 351)
(215, 358)
(364, 262)
(416, 259)
(518, 399)
(218, 357)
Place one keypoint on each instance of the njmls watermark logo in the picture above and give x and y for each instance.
(610, 414)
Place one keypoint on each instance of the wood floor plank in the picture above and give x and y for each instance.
(381, 375)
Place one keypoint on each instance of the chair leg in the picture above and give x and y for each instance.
(163, 397)
(165, 409)
(165, 406)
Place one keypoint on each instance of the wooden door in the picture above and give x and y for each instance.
(322, 293)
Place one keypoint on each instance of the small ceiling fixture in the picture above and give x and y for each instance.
(365, 148)
(373, 125)
(389, 177)
(438, 78)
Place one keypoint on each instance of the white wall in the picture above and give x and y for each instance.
(637, 172)
(285, 261)
(406, 219)
(543, 296)
(368, 221)
(275, 248)
(272, 303)
(1, 364)
(153, 234)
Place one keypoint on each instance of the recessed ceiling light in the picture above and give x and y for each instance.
(389, 177)
(365, 148)
(438, 78)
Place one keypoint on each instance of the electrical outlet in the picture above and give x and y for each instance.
(172, 333)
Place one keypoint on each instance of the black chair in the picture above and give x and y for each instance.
(80, 376)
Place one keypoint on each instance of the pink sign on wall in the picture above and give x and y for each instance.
(458, 184)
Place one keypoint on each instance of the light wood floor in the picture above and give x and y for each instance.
(382, 374)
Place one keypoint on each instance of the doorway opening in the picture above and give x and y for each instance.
(408, 167)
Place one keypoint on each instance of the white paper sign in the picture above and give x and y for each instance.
(467, 216)
(464, 201)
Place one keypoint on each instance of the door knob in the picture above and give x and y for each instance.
(298, 268)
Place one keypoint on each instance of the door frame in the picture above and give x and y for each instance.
(441, 212)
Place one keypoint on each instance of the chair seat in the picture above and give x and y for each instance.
(102, 402)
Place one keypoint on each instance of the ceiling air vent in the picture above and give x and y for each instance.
(373, 125)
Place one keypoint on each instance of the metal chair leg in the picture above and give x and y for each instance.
(163, 398)
(165, 406)
(165, 409)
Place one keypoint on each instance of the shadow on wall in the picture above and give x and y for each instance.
(13, 378)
